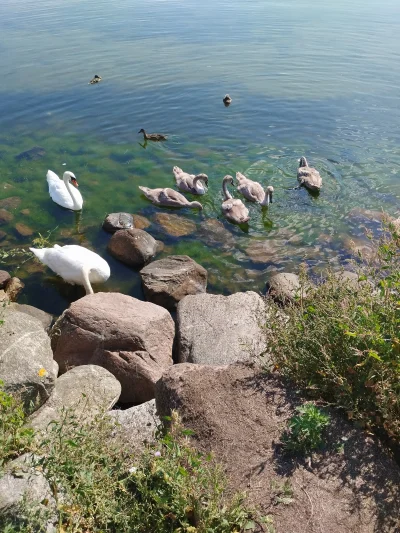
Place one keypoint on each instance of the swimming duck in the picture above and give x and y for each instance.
(153, 136)
(168, 197)
(75, 264)
(233, 210)
(308, 177)
(96, 79)
(61, 191)
(227, 100)
(190, 182)
(253, 191)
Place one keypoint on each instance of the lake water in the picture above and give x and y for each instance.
(311, 78)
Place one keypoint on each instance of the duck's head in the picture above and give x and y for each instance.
(141, 131)
(303, 162)
(70, 177)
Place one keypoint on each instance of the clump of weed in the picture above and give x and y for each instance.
(305, 430)
(342, 341)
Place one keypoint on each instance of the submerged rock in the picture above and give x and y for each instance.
(37, 152)
(175, 225)
(218, 330)
(141, 222)
(23, 230)
(12, 202)
(4, 277)
(5, 216)
(134, 247)
(285, 286)
(168, 280)
(130, 338)
(3, 235)
(265, 251)
(214, 233)
(116, 221)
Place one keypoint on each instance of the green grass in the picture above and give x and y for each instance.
(305, 430)
(99, 486)
(342, 343)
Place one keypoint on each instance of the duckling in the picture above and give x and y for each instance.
(227, 100)
(308, 176)
(96, 79)
(153, 136)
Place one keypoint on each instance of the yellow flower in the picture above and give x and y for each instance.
(42, 372)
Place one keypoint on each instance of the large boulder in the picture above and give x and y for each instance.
(26, 359)
(134, 247)
(168, 280)
(23, 483)
(130, 338)
(116, 221)
(136, 426)
(218, 330)
(45, 318)
(240, 413)
(88, 390)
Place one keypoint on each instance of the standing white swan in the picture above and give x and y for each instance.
(75, 264)
(61, 191)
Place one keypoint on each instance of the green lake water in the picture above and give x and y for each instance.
(307, 77)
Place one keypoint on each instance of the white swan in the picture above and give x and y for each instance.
(61, 191)
(75, 264)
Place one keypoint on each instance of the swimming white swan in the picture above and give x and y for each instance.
(61, 191)
(75, 264)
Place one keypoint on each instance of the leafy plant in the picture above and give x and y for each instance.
(342, 341)
(15, 437)
(305, 430)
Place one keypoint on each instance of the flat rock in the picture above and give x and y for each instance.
(285, 286)
(26, 359)
(239, 413)
(12, 202)
(23, 230)
(134, 247)
(214, 233)
(137, 426)
(25, 212)
(23, 482)
(130, 338)
(4, 277)
(3, 235)
(265, 251)
(218, 330)
(168, 280)
(45, 318)
(141, 222)
(88, 390)
(175, 225)
(5, 216)
(33, 154)
(116, 221)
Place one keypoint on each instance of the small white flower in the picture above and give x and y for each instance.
(157, 454)
(132, 470)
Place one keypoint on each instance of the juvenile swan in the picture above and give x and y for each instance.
(253, 191)
(75, 264)
(308, 176)
(234, 210)
(61, 191)
(190, 182)
(168, 197)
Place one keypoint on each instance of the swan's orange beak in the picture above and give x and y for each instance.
(74, 182)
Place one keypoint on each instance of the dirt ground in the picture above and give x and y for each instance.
(353, 485)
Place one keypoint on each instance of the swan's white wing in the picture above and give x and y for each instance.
(59, 192)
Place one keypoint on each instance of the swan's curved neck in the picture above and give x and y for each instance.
(227, 194)
(267, 199)
(86, 281)
(198, 182)
(68, 185)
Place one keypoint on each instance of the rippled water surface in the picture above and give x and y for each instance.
(310, 78)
